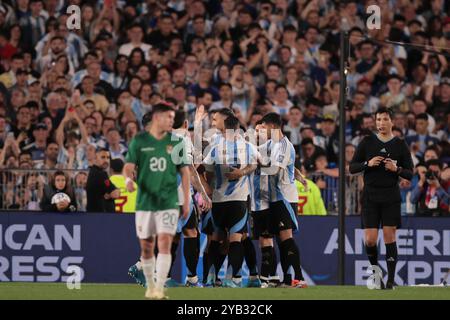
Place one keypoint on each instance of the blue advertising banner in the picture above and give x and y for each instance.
(41, 246)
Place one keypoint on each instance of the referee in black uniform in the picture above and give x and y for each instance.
(383, 158)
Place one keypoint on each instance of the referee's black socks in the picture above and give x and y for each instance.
(372, 254)
(391, 260)
(190, 250)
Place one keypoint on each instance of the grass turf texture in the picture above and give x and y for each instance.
(58, 291)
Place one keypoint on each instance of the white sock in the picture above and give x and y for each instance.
(163, 262)
(139, 264)
(148, 267)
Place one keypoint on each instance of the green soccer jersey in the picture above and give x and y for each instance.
(156, 170)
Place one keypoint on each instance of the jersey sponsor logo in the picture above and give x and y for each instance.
(169, 149)
(147, 149)
(383, 150)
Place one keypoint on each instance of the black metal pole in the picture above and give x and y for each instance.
(342, 103)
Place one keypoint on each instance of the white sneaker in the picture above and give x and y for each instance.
(156, 294)
(149, 293)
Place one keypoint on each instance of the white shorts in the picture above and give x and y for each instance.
(152, 223)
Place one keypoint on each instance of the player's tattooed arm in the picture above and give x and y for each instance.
(239, 173)
(198, 185)
(128, 172)
(300, 178)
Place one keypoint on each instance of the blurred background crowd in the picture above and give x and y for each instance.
(65, 93)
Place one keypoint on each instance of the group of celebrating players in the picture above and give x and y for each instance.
(239, 173)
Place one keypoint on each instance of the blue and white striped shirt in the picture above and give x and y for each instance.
(259, 185)
(221, 158)
(282, 185)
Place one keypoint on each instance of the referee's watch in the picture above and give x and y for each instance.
(366, 165)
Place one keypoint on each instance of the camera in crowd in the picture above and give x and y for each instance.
(430, 175)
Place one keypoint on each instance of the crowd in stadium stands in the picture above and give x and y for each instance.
(65, 93)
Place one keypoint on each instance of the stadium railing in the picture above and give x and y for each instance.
(22, 189)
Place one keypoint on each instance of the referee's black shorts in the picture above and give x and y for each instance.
(377, 213)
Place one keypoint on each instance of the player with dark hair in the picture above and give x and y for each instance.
(383, 158)
(188, 227)
(157, 209)
(283, 198)
(227, 165)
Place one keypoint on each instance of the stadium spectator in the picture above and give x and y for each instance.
(326, 180)
(429, 195)
(276, 56)
(422, 138)
(58, 195)
(293, 126)
(310, 201)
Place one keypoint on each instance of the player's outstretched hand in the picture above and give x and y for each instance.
(375, 161)
(200, 114)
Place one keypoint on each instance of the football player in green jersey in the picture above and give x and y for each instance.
(152, 154)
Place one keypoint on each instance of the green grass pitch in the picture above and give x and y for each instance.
(59, 291)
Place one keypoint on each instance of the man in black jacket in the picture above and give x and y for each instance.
(101, 192)
(383, 158)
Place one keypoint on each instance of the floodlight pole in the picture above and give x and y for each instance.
(344, 46)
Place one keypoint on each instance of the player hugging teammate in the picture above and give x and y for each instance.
(237, 172)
